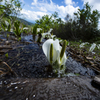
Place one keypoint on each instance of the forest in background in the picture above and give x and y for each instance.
(83, 27)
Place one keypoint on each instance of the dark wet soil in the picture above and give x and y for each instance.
(34, 79)
(28, 61)
(69, 88)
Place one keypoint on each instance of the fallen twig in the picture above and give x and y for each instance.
(10, 70)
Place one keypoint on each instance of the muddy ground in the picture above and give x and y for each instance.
(31, 76)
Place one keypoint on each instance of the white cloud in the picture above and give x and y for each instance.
(63, 11)
(22, 1)
(34, 2)
(44, 4)
(31, 15)
(41, 8)
(94, 3)
(69, 2)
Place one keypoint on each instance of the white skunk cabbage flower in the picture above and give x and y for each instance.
(52, 36)
(55, 54)
(25, 28)
(92, 47)
(6, 22)
(47, 33)
(39, 29)
(50, 30)
(98, 46)
(44, 34)
(11, 29)
(82, 44)
(51, 50)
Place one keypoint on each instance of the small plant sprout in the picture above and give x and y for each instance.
(17, 30)
(6, 55)
(39, 39)
(9, 26)
(40, 31)
(4, 26)
(56, 55)
(34, 30)
(8, 36)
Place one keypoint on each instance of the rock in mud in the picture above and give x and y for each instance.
(96, 82)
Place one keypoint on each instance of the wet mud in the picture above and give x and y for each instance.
(68, 88)
(34, 79)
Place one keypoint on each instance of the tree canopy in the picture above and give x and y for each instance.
(9, 8)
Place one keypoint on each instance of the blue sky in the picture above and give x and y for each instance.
(35, 9)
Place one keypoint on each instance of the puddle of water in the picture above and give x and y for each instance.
(27, 38)
(2, 37)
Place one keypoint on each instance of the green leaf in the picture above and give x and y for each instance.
(6, 55)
